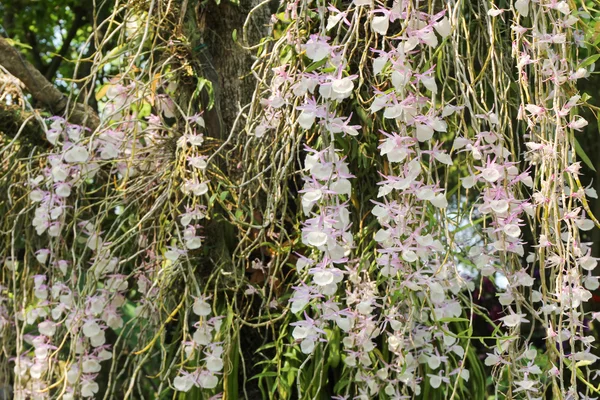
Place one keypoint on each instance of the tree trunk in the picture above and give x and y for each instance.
(224, 61)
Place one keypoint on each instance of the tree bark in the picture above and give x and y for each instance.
(44, 91)
(12, 119)
(225, 62)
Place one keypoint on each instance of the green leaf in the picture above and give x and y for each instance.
(589, 61)
(315, 65)
(234, 35)
(115, 53)
(585, 97)
(291, 356)
(269, 345)
(202, 83)
(450, 319)
(145, 110)
(582, 155)
(212, 199)
(265, 374)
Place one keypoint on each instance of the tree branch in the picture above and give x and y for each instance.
(42, 90)
(35, 50)
(101, 13)
(78, 22)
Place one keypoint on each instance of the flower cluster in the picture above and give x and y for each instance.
(58, 308)
(421, 284)
(81, 159)
(419, 280)
(327, 234)
(195, 186)
(561, 255)
(202, 343)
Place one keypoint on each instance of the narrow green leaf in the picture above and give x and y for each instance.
(583, 156)
(589, 61)
(450, 319)
(264, 375)
(315, 65)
